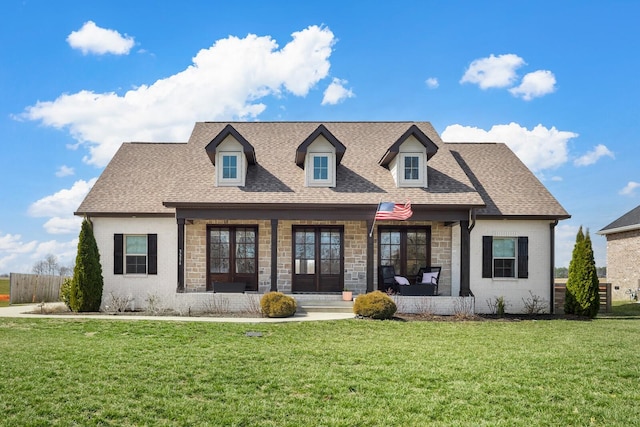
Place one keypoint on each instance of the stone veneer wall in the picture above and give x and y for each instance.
(196, 253)
(623, 262)
(355, 252)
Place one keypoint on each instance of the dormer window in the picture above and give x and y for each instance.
(230, 166)
(319, 155)
(231, 154)
(407, 158)
(320, 167)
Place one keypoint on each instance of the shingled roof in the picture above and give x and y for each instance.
(508, 188)
(627, 222)
(155, 178)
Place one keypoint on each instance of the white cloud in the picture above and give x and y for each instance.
(534, 85)
(539, 148)
(336, 92)
(630, 189)
(593, 156)
(12, 249)
(59, 207)
(494, 71)
(225, 82)
(432, 83)
(93, 39)
(64, 251)
(556, 178)
(64, 171)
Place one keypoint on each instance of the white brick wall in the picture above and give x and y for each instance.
(138, 287)
(513, 290)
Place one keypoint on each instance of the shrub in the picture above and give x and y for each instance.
(277, 304)
(65, 292)
(582, 296)
(87, 283)
(376, 305)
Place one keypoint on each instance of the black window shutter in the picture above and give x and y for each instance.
(487, 257)
(523, 257)
(118, 252)
(152, 253)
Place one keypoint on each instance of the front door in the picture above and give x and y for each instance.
(318, 258)
(232, 256)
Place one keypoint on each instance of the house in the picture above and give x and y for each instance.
(290, 206)
(623, 254)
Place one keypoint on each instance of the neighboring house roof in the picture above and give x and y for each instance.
(506, 185)
(145, 178)
(627, 222)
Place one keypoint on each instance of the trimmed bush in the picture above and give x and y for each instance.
(376, 305)
(277, 304)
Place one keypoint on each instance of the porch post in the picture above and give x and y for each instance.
(465, 259)
(369, 257)
(274, 255)
(181, 222)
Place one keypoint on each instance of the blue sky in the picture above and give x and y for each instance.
(556, 81)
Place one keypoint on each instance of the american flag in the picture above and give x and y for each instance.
(390, 210)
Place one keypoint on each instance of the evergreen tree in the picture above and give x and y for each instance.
(582, 285)
(86, 287)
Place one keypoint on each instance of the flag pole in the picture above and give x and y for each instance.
(374, 218)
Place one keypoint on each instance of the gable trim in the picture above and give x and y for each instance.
(422, 138)
(247, 148)
(301, 151)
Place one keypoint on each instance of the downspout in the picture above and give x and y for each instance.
(552, 260)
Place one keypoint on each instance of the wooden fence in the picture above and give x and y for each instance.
(30, 288)
(560, 289)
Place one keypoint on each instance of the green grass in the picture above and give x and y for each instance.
(342, 373)
(624, 308)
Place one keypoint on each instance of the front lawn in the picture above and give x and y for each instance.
(340, 373)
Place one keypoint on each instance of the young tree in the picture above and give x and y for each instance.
(87, 283)
(582, 296)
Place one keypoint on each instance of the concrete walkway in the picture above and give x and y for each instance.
(31, 311)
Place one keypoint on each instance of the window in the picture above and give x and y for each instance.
(229, 167)
(135, 254)
(320, 168)
(320, 171)
(411, 170)
(505, 257)
(411, 167)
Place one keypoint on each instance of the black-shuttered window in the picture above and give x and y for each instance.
(505, 257)
(135, 254)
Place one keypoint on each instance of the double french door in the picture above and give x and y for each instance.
(318, 258)
(405, 248)
(232, 257)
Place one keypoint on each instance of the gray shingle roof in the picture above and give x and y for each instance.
(628, 221)
(143, 176)
(506, 185)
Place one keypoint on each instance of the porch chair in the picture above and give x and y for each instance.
(388, 280)
(429, 276)
(426, 282)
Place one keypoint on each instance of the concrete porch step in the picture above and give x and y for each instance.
(325, 306)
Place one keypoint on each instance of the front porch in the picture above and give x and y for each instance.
(316, 256)
(200, 302)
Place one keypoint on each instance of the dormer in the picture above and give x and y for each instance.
(319, 155)
(408, 157)
(231, 154)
